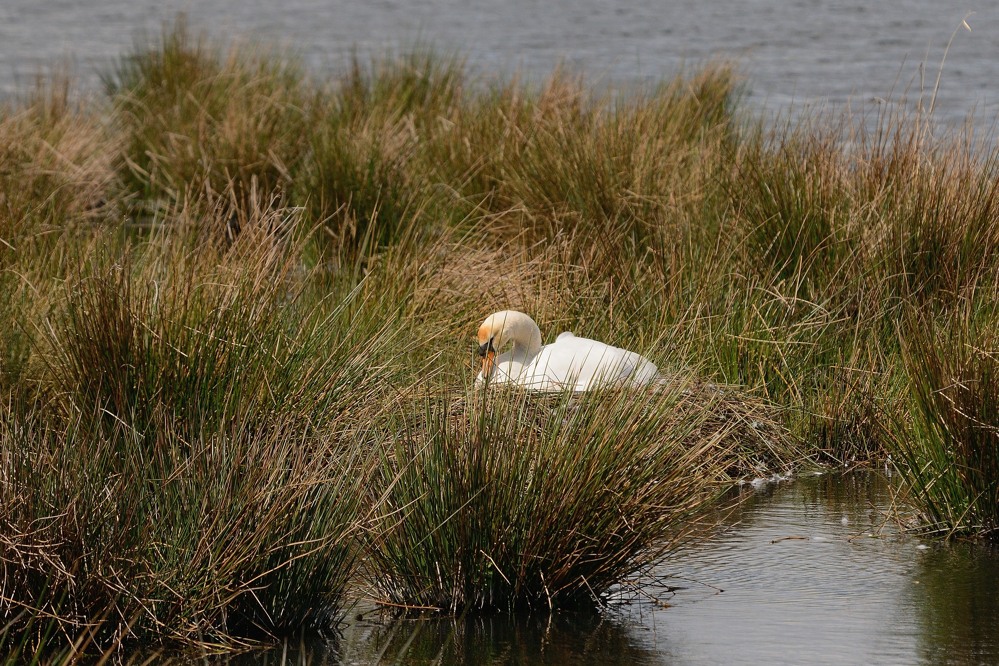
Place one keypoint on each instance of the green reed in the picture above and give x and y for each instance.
(948, 457)
(500, 500)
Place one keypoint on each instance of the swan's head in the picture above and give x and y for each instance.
(505, 328)
(490, 337)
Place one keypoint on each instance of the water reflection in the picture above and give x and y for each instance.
(564, 638)
(958, 598)
(813, 570)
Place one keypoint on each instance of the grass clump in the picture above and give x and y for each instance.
(199, 123)
(131, 539)
(505, 500)
(178, 335)
(949, 457)
(188, 471)
(56, 179)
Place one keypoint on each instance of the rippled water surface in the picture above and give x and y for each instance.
(815, 572)
(806, 51)
(803, 572)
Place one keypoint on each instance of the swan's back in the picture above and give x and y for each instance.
(583, 364)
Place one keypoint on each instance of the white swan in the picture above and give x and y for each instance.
(569, 362)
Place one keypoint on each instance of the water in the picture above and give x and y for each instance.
(810, 571)
(794, 53)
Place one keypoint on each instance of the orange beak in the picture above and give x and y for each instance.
(487, 363)
(487, 352)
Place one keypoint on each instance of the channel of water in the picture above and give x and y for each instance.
(814, 570)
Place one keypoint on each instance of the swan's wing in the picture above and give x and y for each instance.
(583, 364)
(644, 371)
(564, 335)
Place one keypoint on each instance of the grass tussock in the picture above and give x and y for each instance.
(949, 456)
(196, 122)
(504, 500)
(226, 285)
(188, 470)
(127, 538)
(186, 338)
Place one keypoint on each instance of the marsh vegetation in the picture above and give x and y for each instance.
(239, 305)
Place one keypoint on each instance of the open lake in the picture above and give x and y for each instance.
(805, 52)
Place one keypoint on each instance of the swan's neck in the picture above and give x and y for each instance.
(524, 352)
(526, 340)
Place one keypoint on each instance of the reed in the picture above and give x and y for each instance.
(504, 500)
(189, 471)
(198, 122)
(948, 457)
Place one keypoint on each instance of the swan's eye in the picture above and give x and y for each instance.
(486, 348)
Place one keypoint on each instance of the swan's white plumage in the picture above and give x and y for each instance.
(579, 364)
